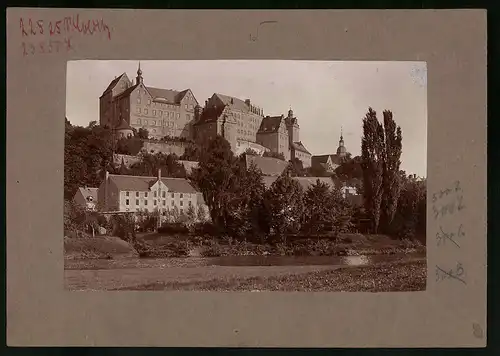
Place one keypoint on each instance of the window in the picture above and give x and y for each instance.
(145, 202)
(138, 110)
(190, 203)
(181, 195)
(155, 194)
(145, 194)
(172, 203)
(160, 113)
(154, 112)
(154, 123)
(127, 194)
(154, 202)
(186, 106)
(127, 202)
(145, 111)
(164, 203)
(181, 202)
(163, 194)
(191, 106)
(136, 194)
(172, 114)
(139, 121)
(173, 196)
(149, 101)
(137, 202)
(178, 115)
(138, 100)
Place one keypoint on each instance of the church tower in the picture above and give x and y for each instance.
(139, 79)
(341, 150)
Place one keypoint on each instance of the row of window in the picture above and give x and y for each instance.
(155, 123)
(164, 194)
(175, 107)
(160, 113)
(145, 202)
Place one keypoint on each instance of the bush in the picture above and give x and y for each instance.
(173, 228)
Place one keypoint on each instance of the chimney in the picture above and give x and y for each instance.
(159, 174)
(247, 101)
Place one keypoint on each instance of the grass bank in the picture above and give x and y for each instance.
(102, 247)
(158, 245)
(388, 277)
(154, 245)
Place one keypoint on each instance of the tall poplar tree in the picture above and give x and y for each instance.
(372, 152)
(392, 162)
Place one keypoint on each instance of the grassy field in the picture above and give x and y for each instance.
(397, 276)
(109, 263)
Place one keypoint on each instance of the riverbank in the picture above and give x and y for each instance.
(384, 277)
(156, 245)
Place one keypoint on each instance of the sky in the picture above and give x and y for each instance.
(325, 96)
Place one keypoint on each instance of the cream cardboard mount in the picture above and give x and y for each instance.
(450, 313)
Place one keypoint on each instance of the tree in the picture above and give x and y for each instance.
(245, 206)
(381, 148)
(216, 179)
(297, 168)
(351, 168)
(317, 208)
(410, 217)
(150, 163)
(129, 146)
(143, 133)
(283, 202)
(88, 154)
(372, 153)
(392, 163)
(274, 155)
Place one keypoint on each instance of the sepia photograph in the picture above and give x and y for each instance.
(245, 175)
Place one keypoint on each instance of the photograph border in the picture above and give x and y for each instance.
(291, 319)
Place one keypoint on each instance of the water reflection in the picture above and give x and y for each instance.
(305, 260)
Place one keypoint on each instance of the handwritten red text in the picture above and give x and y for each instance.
(47, 46)
(64, 26)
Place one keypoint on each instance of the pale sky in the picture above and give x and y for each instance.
(324, 95)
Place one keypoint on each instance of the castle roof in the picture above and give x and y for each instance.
(269, 166)
(210, 114)
(299, 146)
(143, 184)
(115, 81)
(270, 124)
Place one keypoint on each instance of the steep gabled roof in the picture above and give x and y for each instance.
(114, 82)
(299, 146)
(233, 103)
(270, 124)
(127, 91)
(142, 184)
(88, 192)
(269, 166)
(210, 114)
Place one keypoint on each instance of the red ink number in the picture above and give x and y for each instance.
(21, 25)
(40, 26)
(32, 31)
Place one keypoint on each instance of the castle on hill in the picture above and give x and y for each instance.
(127, 106)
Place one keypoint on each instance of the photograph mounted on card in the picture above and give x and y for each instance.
(249, 173)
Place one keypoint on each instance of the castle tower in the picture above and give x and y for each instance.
(341, 150)
(292, 126)
(139, 79)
